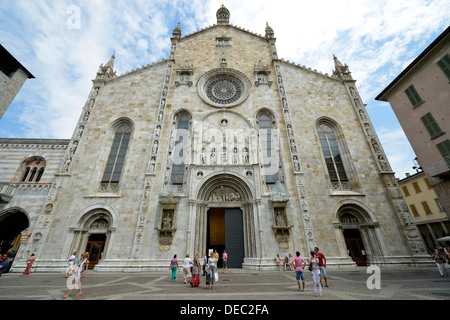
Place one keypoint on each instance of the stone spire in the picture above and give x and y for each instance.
(110, 63)
(269, 31)
(223, 16)
(177, 31)
(341, 71)
(106, 72)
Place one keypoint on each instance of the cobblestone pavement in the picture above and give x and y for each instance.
(237, 285)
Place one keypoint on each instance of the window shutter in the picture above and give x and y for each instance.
(431, 125)
(444, 64)
(413, 96)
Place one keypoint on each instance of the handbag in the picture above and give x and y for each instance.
(216, 277)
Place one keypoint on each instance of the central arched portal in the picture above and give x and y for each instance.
(225, 219)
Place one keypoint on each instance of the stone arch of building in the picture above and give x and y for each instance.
(353, 216)
(14, 222)
(93, 221)
(225, 190)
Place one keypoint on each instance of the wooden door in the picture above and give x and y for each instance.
(94, 248)
(355, 246)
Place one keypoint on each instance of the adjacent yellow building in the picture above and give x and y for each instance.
(425, 208)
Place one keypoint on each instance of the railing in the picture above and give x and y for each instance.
(439, 168)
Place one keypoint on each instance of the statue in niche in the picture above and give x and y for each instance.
(245, 156)
(167, 221)
(289, 130)
(203, 157)
(375, 146)
(80, 131)
(235, 156)
(281, 222)
(213, 156)
(224, 156)
(155, 147)
(296, 164)
(73, 149)
(383, 163)
(153, 165)
(158, 132)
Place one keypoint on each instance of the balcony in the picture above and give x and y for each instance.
(440, 168)
(7, 191)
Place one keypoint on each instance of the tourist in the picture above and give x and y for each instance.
(291, 259)
(29, 264)
(216, 256)
(322, 265)
(4, 264)
(205, 262)
(80, 273)
(440, 262)
(315, 272)
(174, 267)
(187, 268)
(224, 262)
(195, 281)
(299, 264)
(72, 265)
(278, 262)
(212, 270)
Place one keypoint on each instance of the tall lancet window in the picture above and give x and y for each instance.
(268, 145)
(333, 158)
(181, 147)
(114, 166)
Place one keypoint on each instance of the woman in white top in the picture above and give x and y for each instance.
(187, 268)
(211, 270)
(315, 272)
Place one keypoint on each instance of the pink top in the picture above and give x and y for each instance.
(298, 263)
(224, 257)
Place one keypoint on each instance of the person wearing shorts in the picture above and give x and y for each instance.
(224, 262)
(322, 265)
(299, 264)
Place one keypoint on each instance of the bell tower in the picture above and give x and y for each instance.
(223, 16)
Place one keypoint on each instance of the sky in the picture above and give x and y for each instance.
(62, 43)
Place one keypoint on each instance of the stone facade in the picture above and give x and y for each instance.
(221, 85)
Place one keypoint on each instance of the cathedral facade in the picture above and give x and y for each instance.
(222, 146)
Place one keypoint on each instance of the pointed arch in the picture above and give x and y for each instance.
(121, 130)
(336, 155)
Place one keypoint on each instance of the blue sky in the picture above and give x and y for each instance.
(62, 43)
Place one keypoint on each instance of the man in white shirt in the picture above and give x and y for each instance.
(72, 264)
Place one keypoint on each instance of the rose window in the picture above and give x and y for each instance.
(223, 88)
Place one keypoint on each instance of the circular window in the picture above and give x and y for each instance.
(223, 88)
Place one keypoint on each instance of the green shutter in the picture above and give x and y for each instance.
(444, 148)
(431, 125)
(444, 64)
(413, 96)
